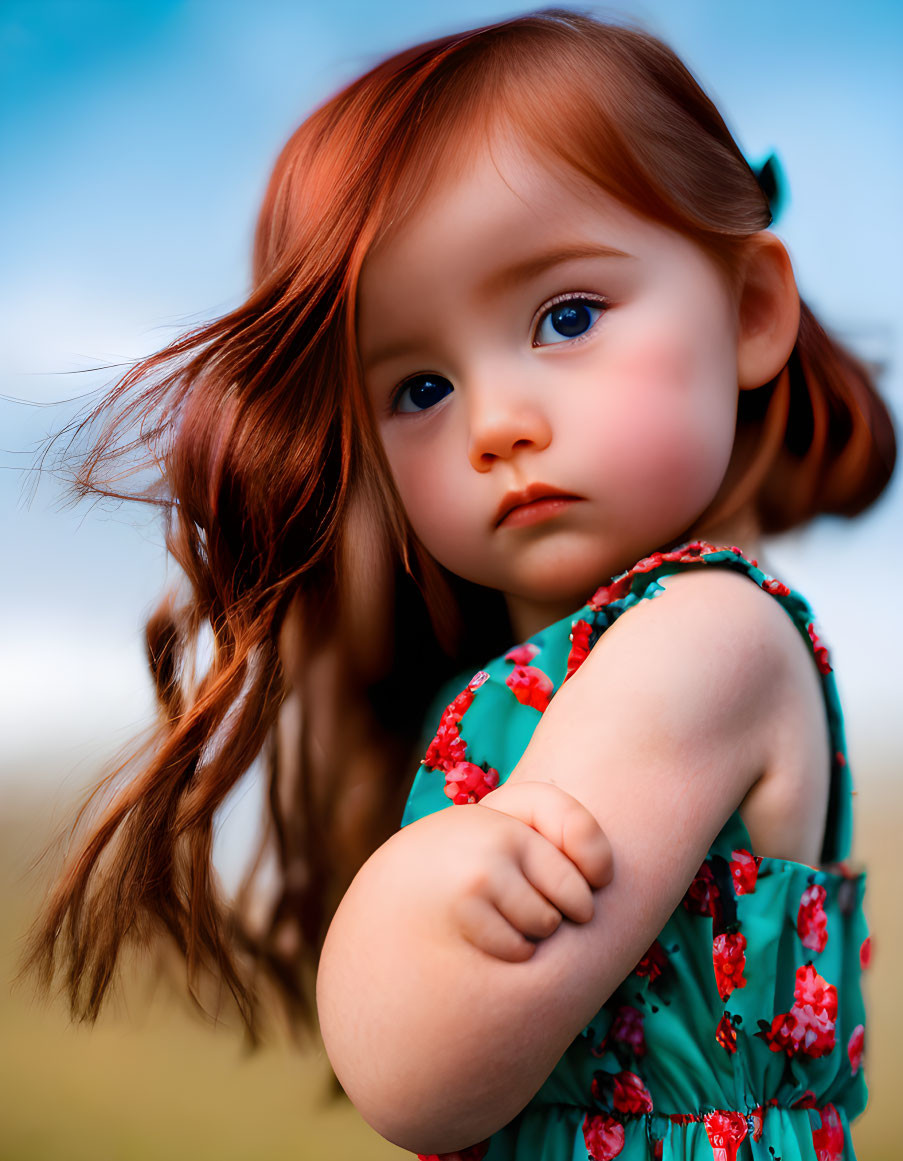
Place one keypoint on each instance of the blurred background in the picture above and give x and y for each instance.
(136, 139)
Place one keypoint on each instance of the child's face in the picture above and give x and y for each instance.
(520, 352)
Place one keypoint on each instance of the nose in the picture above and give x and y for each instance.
(502, 422)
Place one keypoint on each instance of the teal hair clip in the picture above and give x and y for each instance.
(773, 183)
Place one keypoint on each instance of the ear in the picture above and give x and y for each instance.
(768, 311)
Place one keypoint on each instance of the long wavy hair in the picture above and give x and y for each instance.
(298, 563)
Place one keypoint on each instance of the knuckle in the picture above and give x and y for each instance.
(481, 871)
(476, 883)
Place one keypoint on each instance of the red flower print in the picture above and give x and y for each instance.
(812, 922)
(471, 1153)
(810, 990)
(775, 587)
(756, 1123)
(530, 686)
(693, 550)
(806, 1101)
(631, 1095)
(821, 653)
(653, 963)
(522, 654)
(729, 959)
(603, 1137)
(780, 1036)
(579, 638)
(658, 1150)
(809, 1025)
(448, 748)
(865, 952)
(689, 553)
(726, 1133)
(828, 1139)
(725, 1034)
(855, 1047)
(814, 1033)
(605, 594)
(702, 894)
(648, 563)
(818, 1032)
(468, 783)
(627, 1027)
(744, 871)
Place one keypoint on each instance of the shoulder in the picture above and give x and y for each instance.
(723, 609)
(692, 697)
(712, 650)
(675, 703)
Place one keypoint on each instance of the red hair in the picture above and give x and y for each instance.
(281, 512)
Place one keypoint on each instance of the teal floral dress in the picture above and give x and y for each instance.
(739, 1034)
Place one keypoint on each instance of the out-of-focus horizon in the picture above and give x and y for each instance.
(137, 140)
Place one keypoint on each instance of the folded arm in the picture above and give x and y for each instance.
(660, 734)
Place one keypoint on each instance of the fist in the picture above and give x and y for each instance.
(537, 862)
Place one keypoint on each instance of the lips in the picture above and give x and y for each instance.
(529, 494)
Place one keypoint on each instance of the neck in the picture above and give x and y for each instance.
(742, 530)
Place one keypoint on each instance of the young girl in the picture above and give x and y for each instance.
(522, 376)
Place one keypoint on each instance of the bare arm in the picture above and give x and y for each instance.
(440, 1045)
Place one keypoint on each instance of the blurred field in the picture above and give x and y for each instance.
(154, 1082)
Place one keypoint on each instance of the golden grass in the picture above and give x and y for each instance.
(151, 1082)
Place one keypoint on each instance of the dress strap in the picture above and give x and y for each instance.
(641, 582)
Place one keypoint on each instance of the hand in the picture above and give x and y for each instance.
(572, 830)
(511, 872)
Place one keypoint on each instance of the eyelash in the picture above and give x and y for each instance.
(546, 309)
(560, 299)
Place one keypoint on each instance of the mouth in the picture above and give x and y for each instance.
(535, 502)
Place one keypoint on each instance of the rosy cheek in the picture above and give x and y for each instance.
(426, 488)
(653, 364)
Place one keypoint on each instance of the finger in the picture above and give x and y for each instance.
(563, 820)
(555, 876)
(481, 924)
(527, 909)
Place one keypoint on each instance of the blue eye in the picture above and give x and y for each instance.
(567, 319)
(420, 393)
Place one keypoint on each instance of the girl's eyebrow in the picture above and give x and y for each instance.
(501, 280)
(536, 264)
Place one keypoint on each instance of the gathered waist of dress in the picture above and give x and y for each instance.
(726, 1129)
(608, 1135)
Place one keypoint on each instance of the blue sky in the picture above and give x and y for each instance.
(136, 142)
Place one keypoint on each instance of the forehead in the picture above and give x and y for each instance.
(504, 174)
(486, 224)
(496, 204)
